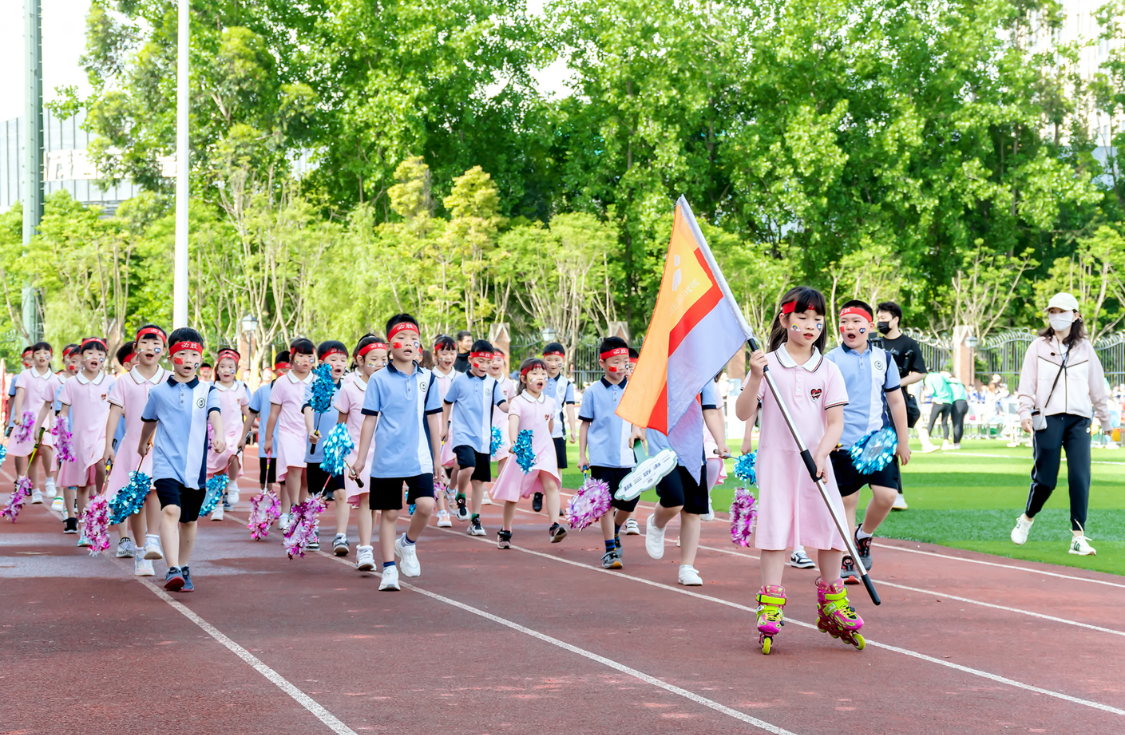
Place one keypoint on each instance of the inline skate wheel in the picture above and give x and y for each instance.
(767, 645)
(859, 642)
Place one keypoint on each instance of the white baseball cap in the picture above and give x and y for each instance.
(1063, 301)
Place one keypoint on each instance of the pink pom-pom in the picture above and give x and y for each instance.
(265, 508)
(96, 519)
(21, 493)
(303, 523)
(743, 515)
(64, 444)
(590, 503)
(25, 426)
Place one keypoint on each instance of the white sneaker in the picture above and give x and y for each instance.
(945, 445)
(956, 445)
(57, 504)
(390, 579)
(152, 548)
(365, 558)
(654, 538)
(340, 544)
(900, 502)
(232, 494)
(1080, 545)
(1022, 529)
(409, 555)
(82, 540)
(37, 498)
(126, 549)
(143, 568)
(49, 489)
(689, 577)
(443, 520)
(928, 448)
(283, 522)
(801, 560)
(631, 527)
(710, 514)
(217, 514)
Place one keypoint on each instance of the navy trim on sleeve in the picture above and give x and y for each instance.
(212, 410)
(368, 412)
(709, 406)
(432, 411)
(149, 421)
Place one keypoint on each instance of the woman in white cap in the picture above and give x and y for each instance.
(1061, 387)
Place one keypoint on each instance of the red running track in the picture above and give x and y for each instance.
(541, 639)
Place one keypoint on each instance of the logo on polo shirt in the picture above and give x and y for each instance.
(815, 393)
(879, 365)
(422, 385)
(200, 402)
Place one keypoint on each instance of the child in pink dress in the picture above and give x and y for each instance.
(532, 411)
(127, 398)
(370, 356)
(288, 396)
(83, 400)
(791, 510)
(233, 402)
(445, 354)
(499, 418)
(37, 387)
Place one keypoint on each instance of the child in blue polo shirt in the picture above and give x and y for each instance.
(470, 401)
(178, 412)
(610, 441)
(871, 378)
(402, 412)
(335, 355)
(561, 389)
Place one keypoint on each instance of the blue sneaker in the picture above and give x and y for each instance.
(188, 586)
(174, 579)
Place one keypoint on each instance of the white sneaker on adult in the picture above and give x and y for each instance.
(37, 498)
(232, 494)
(710, 514)
(126, 549)
(443, 520)
(364, 558)
(409, 555)
(631, 527)
(928, 448)
(1022, 529)
(217, 514)
(689, 577)
(143, 568)
(152, 548)
(390, 579)
(57, 504)
(654, 538)
(1080, 545)
(955, 445)
(900, 502)
(49, 489)
(945, 445)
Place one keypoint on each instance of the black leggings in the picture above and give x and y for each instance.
(940, 410)
(960, 411)
(1064, 432)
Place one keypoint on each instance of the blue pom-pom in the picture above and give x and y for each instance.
(323, 388)
(337, 447)
(497, 441)
(3, 453)
(129, 499)
(525, 453)
(745, 468)
(216, 486)
(874, 451)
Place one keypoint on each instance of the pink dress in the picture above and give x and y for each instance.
(130, 392)
(534, 414)
(38, 389)
(231, 401)
(500, 419)
(444, 380)
(289, 395)
(349, 400)
(89, 412)
(716, 466)
(790, 508)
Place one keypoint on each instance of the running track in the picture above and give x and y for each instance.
(541, 639)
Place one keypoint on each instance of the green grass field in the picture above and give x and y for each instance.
(968, 502)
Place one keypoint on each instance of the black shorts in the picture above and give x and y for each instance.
(680, 488)
(386, 492)
(267, 474)
(189, 500)
(317, 477)
(560, 452)
(613, 476)
(850, 481)
(469, 458)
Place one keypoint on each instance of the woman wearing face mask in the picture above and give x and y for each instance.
(1061, 386)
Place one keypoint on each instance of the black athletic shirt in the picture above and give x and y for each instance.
(461, 364)
(906, 354)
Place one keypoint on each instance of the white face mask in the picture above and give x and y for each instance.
(1060, 322)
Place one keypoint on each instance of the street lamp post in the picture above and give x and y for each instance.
(250, 328)
(180, 272)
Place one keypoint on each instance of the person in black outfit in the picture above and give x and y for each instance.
(907, 355)
(464, 344)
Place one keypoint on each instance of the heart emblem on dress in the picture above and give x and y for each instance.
(815, 393)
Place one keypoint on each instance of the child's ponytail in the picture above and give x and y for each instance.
(803, 299)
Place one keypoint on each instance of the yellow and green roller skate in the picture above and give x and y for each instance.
(836, 616)
(771, 600)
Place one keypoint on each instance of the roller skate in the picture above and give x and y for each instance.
(836, 616)
(771, 600)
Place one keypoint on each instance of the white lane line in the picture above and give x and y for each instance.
(884, 583)
(283, 684)
(628, 670)
(1028, 459)
(906, 652)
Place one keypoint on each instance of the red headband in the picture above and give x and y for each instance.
(128, 358)
(484, 355)
(152, 332)
(228, 353)
(333, 351)
(401, 327)
(855, 311)
(280, 366)
(789, 307)
(369, 347)
(95, 340)
(186, 346)
(528, 369)
(558, 353)
(67, 352)
(614, 352)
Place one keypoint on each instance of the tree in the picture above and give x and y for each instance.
(1094, 275)
(984, 285)
(474, 223)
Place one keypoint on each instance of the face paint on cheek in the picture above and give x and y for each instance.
(819, 327)
(178, 360)
(157, 350)
(862, 330)
(396, 345)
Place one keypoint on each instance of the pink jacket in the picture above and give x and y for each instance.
(1081, 388)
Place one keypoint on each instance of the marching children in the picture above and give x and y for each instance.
(872, 382)
(609, 440)
(37, 388)
(370, 357)
(233, 402)
(561, 389)
(178, 412)
(288, 395)
(83, 400)
(317, 426)
(127, 400)
(259, 402)
(791, 510)
(535, 411)
(499, 418)
(470, 400)
(445, 355)
(401, 409)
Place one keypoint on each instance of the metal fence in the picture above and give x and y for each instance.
(1002, 354)
(584, 360)
(937, 351)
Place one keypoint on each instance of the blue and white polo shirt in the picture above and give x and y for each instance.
(473, 399)
(607, 437)
(180, 411)
(868, 376)
(562, 390)
(402, 436)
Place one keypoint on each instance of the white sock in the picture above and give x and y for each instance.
(861, 534)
